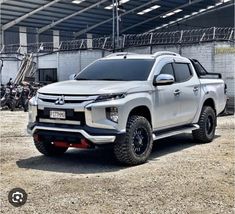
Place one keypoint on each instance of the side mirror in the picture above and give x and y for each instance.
(72, 76)
(163, 79)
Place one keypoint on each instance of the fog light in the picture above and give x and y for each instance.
(112, 114)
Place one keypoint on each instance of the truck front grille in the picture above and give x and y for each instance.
(70, 115)
(68, 99)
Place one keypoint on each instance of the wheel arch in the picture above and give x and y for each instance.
(207, 102)
(142, 110)
(210, 102)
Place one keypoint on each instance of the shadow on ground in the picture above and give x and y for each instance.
(101, 159)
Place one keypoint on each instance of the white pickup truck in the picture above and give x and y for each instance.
(127, 100)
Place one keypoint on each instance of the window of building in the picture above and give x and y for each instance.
(47, 75)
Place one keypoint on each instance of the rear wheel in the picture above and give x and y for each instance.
(138, 142)
(49, 149)
(207, 123)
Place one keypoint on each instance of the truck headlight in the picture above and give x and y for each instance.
(108, 97)
(112, 114)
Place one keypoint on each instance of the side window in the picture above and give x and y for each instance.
(167, 69)
(182, 72)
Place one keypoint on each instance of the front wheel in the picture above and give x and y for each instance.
(26, 105)
(207, 123)
(12, 104)
(138, 142)
(49, 149)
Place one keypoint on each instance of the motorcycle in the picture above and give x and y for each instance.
(21, 98)
(3, 90)
(17, 96)
(7, 98)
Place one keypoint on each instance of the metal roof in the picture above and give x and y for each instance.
(90, 16)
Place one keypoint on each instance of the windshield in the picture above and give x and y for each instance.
(118, 70)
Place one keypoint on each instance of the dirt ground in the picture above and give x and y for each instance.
(180, 177)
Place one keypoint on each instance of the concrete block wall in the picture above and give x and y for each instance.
(89, 56)
(204, 53)
(165, 48)
(68, 63)
(140, 50)
(10, 68)
(225, 64)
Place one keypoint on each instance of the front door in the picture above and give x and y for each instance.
(167, 102)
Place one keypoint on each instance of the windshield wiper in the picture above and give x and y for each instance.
(109, 79)
(82, 79)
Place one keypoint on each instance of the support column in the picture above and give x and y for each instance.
(1, 38)
(89, 41)
(23, 39)
(56, 39)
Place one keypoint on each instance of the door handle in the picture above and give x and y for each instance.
(177, 92)
(195, 89)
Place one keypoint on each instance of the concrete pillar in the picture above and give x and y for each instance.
(56, 39)
(89, 40)
(1, 38)
(23, 39)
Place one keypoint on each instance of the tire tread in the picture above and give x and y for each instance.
(121, 149)
(199, 134)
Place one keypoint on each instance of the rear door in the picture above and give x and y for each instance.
(189, 94)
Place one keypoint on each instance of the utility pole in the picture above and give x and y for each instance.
(113, 26)
(1, 65)
(117, 17)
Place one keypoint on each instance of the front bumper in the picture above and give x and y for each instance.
(75, 133)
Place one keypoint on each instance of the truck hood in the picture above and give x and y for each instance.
(75, 87)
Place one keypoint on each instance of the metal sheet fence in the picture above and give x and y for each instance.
(129, 40)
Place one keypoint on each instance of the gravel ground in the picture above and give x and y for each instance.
(180, 177)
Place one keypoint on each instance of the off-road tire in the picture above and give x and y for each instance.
(202, 135)
(124, 151)
(48, 149)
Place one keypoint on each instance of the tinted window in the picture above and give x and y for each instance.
(199, 68)
(167, 69)
(182, 72)
(118, 69)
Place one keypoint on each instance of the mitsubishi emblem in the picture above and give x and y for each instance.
(60, 100)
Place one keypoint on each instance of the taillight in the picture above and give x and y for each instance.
(225, 88)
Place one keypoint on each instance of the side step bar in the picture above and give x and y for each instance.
(174, 131)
